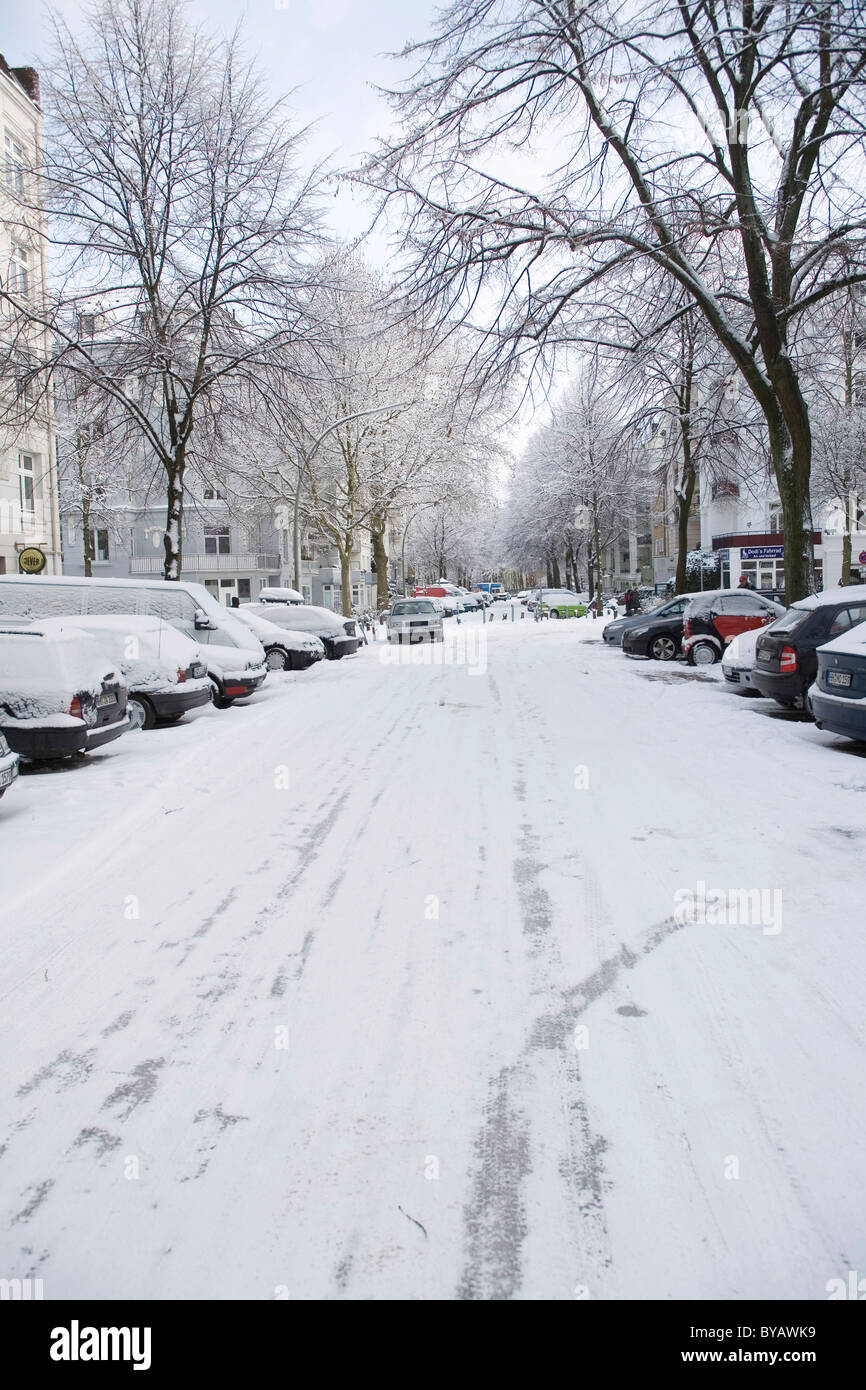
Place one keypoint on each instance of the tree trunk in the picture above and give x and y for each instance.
(792, 467)
(554, 570)
(597, 539)
(846, 545)
(88, 539)
(345, 581)
(173, 537)
(549, 576)
(380, 556)
(684, 511)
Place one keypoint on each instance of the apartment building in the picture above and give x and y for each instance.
(29, 507)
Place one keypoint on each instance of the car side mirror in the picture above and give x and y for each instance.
(202, 622)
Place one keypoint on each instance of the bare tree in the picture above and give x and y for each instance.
(179, 215)
(722, 141)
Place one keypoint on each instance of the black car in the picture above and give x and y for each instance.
(786, 661)
(656, 635)
(671, 608)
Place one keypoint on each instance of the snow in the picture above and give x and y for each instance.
(42, 665)
(269, 632)
(854, 592)
(394, 943)
(148, 651)
(850, 643)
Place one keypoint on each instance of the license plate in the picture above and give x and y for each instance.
(421, 622)
(842, 678)
(7, 777)
(105, 699)
(765, 656)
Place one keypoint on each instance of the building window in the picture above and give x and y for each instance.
(27, 485)
(99, 546)
(14, 170)
(19, 274)
(217, 540)
(212, 494)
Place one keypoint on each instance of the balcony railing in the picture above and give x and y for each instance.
(207, 564)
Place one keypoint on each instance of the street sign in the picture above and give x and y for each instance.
(762, 552)
(31, 560)
(862, 557)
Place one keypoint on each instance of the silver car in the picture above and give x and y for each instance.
(415, 620)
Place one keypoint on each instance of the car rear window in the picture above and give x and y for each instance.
(793, 619)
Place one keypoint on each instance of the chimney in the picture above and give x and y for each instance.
(29, 79)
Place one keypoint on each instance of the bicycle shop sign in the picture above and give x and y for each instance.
(762, 552)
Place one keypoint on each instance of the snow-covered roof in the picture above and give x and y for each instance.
(850, 643)
(854, 592)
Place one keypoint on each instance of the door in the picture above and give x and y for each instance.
(736, 613)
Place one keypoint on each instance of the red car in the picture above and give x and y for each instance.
(712, 619)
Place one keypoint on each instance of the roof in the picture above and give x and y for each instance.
(843, 592)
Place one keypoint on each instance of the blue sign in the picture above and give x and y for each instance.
(762, 552)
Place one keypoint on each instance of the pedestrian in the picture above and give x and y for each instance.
(746, 582)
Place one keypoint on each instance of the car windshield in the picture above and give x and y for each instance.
(403, 608)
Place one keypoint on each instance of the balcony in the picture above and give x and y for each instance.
(207, 564)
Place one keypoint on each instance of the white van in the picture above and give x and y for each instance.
(234, 655)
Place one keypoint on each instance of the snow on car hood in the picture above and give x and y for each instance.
(740, 651)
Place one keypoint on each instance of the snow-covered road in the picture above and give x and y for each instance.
(374, 988)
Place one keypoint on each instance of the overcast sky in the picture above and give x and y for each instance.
(332, 52)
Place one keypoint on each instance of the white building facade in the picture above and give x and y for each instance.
(29, 508)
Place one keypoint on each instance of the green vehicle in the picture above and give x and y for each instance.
(561, 603)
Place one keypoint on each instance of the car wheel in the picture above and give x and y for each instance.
(663, 648)
(141, 713)
(221, 701)
(277, 659)
(703, 654)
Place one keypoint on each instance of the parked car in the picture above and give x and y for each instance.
(655, 636)
(786, 662)
(339, 635)
(838, 696)
(738, 662)
(59, 693)
(164, 672)
(235, 658)
(9, 762)
(415, 620)
(671, 608)
(279, 596)
(285, 649)
(714, 617)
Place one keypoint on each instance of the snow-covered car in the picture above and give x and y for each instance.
(285, 650)
(837, 699)
(165, 672)
(715, 616)
(59, 693)
(339, 635)
(739, 660)
(8, 766)
(415, 620)
(563, 603)
(280, 596)
(235, 658)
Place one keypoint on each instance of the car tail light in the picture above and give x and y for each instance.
(181, 675)
(687, 628)
(75, 708)
(788, 660)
